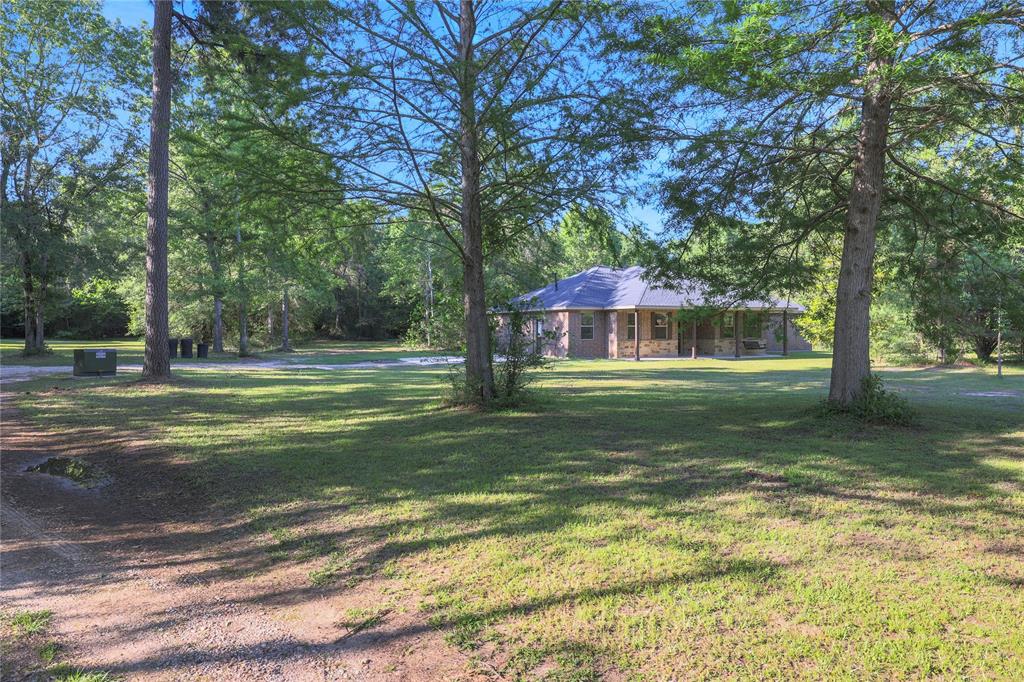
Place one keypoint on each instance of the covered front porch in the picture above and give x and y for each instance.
(666, 333)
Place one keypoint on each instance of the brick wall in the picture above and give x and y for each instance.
(596, 347)
(557, 322)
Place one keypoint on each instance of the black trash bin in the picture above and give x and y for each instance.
(202, 350)
(172, 346)
(186, 348)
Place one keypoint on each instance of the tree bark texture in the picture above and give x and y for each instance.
(285, 305)
(785, 331)
(218, 289)
(157, 362)
(218, 325)
(243, 309)
(428, 311)
(736, 333)
(851, 363)
(30, 301)
(479, 373)
(243, 329)
(40, 340)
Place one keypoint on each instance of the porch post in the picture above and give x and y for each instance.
(736, 331)
(693, 347)
(785, 331)
(636, 344)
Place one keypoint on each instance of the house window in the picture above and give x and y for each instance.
(660, 326)
(538, 328)
(752, 325)
(630, 326)
(586, 326)
(728, 326)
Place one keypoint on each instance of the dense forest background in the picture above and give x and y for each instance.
(265, 224)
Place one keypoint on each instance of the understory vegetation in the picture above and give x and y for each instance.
(877, 405)
(689, 519)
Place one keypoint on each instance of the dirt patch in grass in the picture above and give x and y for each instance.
(766, 481)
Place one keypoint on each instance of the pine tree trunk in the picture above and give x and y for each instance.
(359, 300)
(218, 287)
(218, 325)
(39, 343)
(243, 329)
(30, 315)
(30, 320)
(479, 373)
(285, 342)
(429, 314)
(157, 362)
(270, 322)
(851, 363)
(243, 309)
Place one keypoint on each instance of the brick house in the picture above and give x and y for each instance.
(601, 312)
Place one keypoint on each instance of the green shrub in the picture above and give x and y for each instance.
(875, 405)
(522, 354)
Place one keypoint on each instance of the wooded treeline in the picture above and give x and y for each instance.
(378, 169)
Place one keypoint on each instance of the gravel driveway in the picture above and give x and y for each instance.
(148, 579)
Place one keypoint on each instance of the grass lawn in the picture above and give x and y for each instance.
(687, 519)
(342, 353)
(130, 352)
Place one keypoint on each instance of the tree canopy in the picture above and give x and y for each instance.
(370, 169)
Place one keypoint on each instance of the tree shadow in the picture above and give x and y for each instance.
(365, 469)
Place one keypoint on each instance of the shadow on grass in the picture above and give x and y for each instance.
(298, 451)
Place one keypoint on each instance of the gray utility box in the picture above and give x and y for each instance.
(95, 362)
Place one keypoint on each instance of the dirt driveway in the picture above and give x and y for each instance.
(146, 580)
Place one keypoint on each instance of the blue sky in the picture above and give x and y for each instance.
(139, 12)
(129, 12)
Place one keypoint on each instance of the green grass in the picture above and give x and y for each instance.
(346, 352)
(48, 652)
(63, 672)
(29, 622)
(21, 630)
(130, 352)
(687, 519)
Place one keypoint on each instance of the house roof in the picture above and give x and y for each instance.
(608, 288)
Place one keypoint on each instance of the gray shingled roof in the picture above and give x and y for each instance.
(603, 287)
